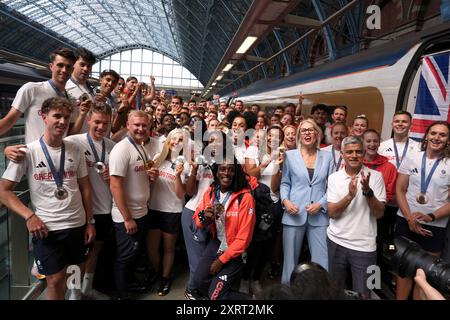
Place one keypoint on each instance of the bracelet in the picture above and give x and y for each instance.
(26, 220)
(432, 216)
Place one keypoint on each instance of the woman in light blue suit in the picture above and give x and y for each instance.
(303, 195)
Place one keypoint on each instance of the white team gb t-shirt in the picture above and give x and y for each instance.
(386, 149)
(337, 157)
(163, 197)
(437, 192)
(101, 194)
(29, 100)
(125, 161)
(75, 90)
(356, 228)
(204, 179)
(56, 214)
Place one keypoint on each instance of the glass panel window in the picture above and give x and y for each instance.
(147, 56)
(167, 81)
(157, 57)
(157, 70)
(136, 69)
(126, 55)
(125, 67)
(167, 70)
(177, 71)
(137, 55)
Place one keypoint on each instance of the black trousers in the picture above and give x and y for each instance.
(216, 287)
(127, 249)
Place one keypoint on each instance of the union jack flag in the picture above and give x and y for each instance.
(433, 96)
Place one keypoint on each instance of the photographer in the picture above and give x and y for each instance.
(422, 195)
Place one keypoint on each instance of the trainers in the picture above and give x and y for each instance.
(255, 287)
(94, 295)
(139, 287)
(164, 287)
(193, 295)
(35, 273)
(244, 286)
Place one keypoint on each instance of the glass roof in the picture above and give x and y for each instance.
(104, 25)
(195, 33)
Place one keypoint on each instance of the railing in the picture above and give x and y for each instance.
(16, 258)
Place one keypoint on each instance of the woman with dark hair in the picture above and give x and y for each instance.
(422, 193)
(228, 210)
(199, 179)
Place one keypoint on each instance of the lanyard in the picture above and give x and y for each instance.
(88, 86)
(225, 199)
(338, 164)
(94, 150)
(143, 156)
(397, 160)
(57, 176)
(58, 92)
(425, 182)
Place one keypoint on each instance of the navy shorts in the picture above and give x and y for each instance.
(167, 222)
(60, 249)
(103, 226)
(432, 244)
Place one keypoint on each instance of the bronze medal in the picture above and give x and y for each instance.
(422, 198)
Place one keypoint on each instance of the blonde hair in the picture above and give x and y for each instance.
(316, 128)
(165, 149)
(137, 114)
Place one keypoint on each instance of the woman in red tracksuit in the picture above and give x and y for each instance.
(228, 210)
(385, 225)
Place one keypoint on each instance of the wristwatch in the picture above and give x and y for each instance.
(91, 221)
(369, 193)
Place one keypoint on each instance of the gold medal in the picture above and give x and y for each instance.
(148, 164)
(218, 209)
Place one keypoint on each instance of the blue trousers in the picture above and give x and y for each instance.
(195, 242)
(292, 245)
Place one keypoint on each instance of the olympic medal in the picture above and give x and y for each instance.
(422, 198)
(100, 167)
(61, 193)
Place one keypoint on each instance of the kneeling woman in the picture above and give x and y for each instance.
(228, 210)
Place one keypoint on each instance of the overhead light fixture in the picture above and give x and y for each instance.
(214, 83)
(228, 67)
(219, 77)
(246, 44)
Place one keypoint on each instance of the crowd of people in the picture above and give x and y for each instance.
(241, 185)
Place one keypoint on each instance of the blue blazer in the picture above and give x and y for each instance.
(296, 187)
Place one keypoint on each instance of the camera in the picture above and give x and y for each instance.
(406, 256)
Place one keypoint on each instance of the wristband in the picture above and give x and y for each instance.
(432, 216)
(26, 220)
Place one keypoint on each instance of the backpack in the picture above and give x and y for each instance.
(263, 206)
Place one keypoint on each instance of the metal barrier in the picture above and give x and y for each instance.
(16, 257)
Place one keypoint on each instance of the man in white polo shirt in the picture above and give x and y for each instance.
(356, 197)
(60, 194)
(131, 175)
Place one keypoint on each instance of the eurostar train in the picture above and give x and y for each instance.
(375, 82)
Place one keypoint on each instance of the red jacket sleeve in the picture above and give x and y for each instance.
(390, 183)
(244, 236)
(206, 199)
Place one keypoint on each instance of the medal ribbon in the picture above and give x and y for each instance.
(88, 86)
(425, 182)
(94, 150)
(338, 164)
(58, 92)
(143, 156)
(397, 160)
(57, 176)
